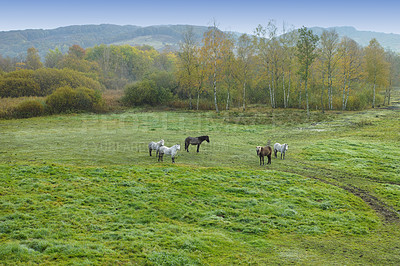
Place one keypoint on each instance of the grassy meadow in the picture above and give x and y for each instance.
(82, 189)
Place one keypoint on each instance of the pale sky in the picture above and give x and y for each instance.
(241, 16)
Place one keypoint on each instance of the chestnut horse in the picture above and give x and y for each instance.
(264, 151)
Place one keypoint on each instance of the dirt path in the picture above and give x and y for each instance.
(388, 213)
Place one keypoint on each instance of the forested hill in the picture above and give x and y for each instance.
(15, 43)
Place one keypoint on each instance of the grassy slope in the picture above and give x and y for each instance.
(82, 189)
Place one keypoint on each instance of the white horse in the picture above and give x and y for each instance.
(282, 148)
(170, 151)
(155, 146)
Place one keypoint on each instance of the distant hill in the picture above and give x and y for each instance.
(387, 40)
(15, 43)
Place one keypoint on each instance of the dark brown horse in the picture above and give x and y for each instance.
(195, 141)
(264, 151)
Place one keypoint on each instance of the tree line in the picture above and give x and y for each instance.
(287, 69)
(296, 69)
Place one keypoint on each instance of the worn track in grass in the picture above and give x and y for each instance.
(388, 213)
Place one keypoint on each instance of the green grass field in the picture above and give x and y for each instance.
(82, 189)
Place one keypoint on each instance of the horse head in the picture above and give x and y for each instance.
(207, 139)
(258, 148)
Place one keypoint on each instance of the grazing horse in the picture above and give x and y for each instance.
(195, 141)
(282, 148)
(155, 146)
(264, 151)
(170, 151)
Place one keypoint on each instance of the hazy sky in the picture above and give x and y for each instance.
(241, 16)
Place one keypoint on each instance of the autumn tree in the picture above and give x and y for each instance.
(350, 62)
(376, 67)
(33, 59)
(329, 57)
(245, 52)
(7, 64)
(260, 41)
(275, 54)
(215, 48)
(187, 62)
(53, 58)
(268, 48)
(76, 51)
(393, 60)
(306, 46)
(288, 43)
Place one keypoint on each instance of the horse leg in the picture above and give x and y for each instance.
(187, 147)
(269, 159)
(198, 146)
(276, 153)
(150, 151)
(173, 159)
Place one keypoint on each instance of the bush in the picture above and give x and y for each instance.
(29, 108)
(67, 99)
(87, 99)
(43, 82)
(146, 92)
(18, 87)
(155, 89)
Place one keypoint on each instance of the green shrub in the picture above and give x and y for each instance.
(155, 89)
(87, 99)
(61, 100)
(29, 108)
(67, 99)
(51, 79)
(18, 87)
(146, 92)
(43, 82)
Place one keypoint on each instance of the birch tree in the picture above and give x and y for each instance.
(215, 46)
(376, 67)
(261, 43)
(350, 62)
(306, 46)
(393, 60)
(187, 63)
(229, 69)
(288, 42)
(245, 52)
(329, 48)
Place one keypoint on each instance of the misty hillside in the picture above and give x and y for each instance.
(15, 43)
(387, 40)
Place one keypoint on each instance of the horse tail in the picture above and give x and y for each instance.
(269, 143)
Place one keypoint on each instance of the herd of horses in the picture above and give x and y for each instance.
(262, 152)
(161, 149)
